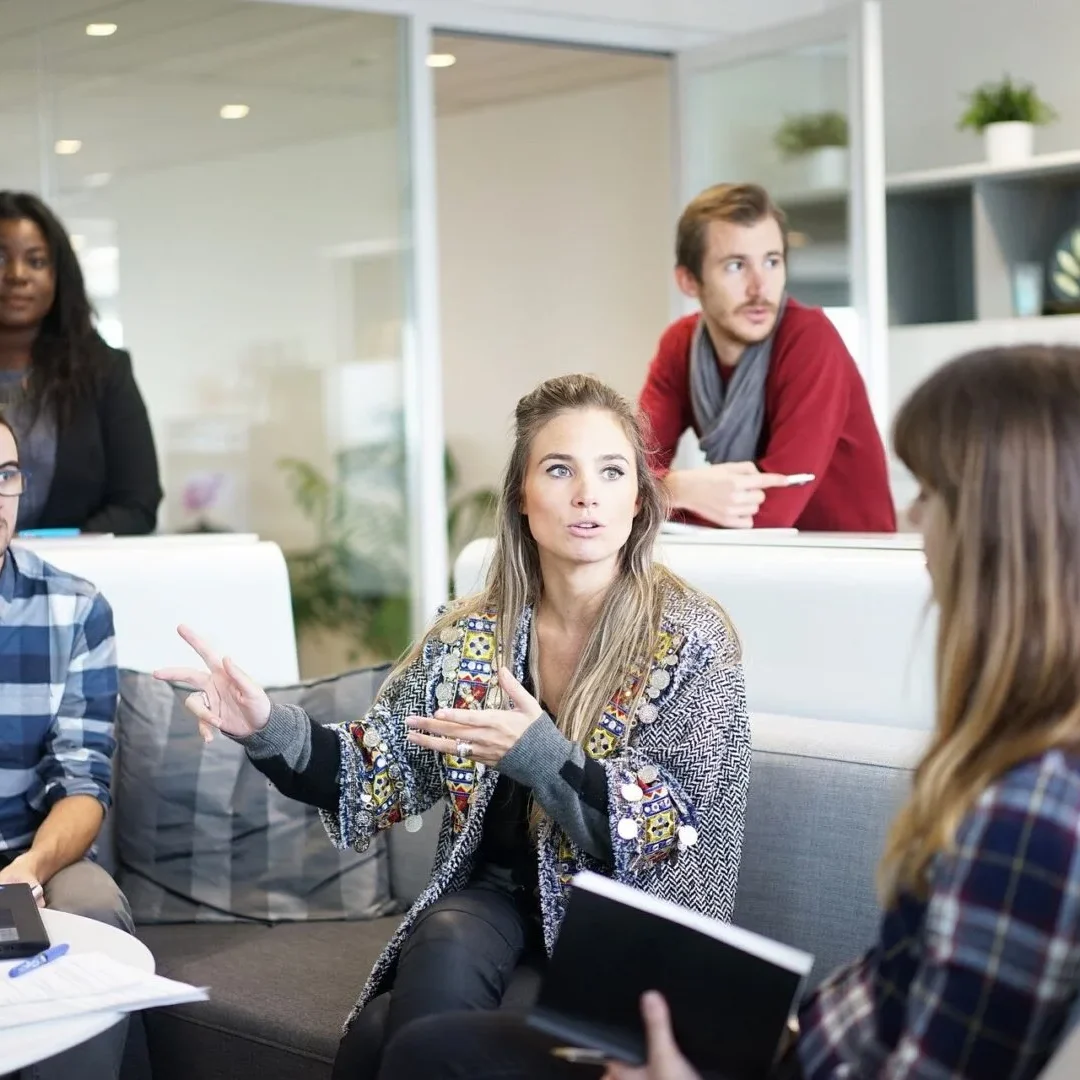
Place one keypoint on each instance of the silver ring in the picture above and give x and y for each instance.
(463, 749)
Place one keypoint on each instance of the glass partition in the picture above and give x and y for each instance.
(232, 176)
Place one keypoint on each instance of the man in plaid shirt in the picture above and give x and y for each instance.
(58, 689)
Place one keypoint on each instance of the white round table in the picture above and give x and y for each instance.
(24, 1046)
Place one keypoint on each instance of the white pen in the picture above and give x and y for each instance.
(799, 478)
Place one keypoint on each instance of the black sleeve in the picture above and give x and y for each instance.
(133, 485)
(317, 785)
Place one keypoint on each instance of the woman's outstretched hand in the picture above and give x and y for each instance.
(665, 1060)
(225, 698)
(486, 735)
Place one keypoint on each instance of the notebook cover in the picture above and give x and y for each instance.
(730, 992)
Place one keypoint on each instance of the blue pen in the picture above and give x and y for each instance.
(48, 534)
(42, 958)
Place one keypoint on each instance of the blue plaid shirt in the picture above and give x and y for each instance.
(977, 981)
(58, 688)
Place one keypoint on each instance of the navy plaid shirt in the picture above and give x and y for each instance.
(58, 688)
(977, 981)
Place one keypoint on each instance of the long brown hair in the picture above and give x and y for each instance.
(996, 435)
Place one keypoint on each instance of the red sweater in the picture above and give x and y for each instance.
(817, 420)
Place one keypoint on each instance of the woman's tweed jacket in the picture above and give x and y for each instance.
(687, 749)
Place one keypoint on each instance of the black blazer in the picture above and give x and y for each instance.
(106, 476)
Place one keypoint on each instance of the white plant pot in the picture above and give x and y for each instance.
(828, 167)
(1009, 143)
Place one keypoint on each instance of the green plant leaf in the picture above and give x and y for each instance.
(1005, 102)
(355, 578)
(801, 135)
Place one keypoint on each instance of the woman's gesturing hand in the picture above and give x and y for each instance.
(225, 698)
(485, 735)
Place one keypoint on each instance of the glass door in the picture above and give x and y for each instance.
(798, 109)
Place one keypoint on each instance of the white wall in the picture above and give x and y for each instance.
(936, 51)
(556, 247)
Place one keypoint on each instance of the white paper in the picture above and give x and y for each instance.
(81, 983)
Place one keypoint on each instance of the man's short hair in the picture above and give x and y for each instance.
(738, 204)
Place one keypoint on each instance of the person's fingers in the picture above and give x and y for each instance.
(448, 728)
(617, 1071)
(750, 498)
(439, 743)
(522, 699)
(184, 676)
(244, 682)
(739, 521)
(208, 656)
(739, 468)
(460, 717)
(768, 480)
(663, 1050)
(209, 722)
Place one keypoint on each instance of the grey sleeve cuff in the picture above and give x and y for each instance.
(536, 758)
(539, 760)
(287, 735)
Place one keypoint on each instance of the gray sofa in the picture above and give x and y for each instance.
(821, 798)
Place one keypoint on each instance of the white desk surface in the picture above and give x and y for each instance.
(676, 534)
(24, 1046)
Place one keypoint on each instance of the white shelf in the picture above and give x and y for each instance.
(964, 175)
(1048, 328)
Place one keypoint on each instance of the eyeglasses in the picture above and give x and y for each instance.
(13, 481)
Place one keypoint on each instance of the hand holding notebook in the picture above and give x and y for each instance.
(730, 992)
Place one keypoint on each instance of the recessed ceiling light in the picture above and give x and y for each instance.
(101, 29)
(68, 146)
(234, 112)
(78, 241)
(441, 60)
(97, 179)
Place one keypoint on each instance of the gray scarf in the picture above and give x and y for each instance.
(730, 418)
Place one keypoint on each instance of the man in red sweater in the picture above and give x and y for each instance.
(766, 383)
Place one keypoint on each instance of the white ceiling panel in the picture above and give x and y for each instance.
(149, 96)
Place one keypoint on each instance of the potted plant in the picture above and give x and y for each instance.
(1006, 115)
(821, 139)
(350, 588)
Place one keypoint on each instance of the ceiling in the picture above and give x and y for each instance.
(149, 96)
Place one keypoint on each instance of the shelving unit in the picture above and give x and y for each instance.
(819, 273)
(954, 238)
(957, 235)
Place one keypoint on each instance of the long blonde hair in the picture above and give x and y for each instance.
(628, 623)
(995, 434)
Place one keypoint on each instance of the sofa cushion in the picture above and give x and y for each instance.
(278, 996)
(202, 836)
(822, 796)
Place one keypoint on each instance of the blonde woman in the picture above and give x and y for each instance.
(587, 709)
(978, 962)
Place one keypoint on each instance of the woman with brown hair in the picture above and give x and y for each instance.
(978, 961)
(585, 710)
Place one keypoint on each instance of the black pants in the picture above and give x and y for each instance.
(477, 1046)
(460, 955)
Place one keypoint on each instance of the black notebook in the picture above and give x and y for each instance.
(730, 991)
